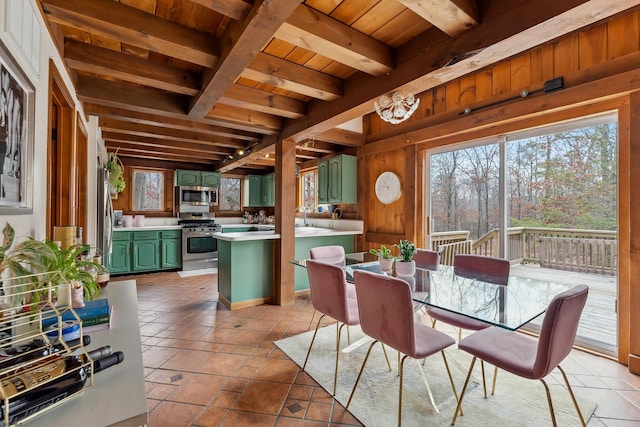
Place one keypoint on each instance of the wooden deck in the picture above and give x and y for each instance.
(598, 325)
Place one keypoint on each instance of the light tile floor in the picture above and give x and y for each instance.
(208, 366)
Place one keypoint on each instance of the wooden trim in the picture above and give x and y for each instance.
(243, 304)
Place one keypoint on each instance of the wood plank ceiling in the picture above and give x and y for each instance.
(195, 82)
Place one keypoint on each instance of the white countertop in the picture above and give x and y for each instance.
(148, 228)
(271, 235)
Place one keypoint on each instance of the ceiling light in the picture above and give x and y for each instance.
(397, 108)
(240, 152)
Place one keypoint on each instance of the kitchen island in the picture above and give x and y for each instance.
(245, 261)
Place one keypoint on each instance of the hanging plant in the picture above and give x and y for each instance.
(116, 173)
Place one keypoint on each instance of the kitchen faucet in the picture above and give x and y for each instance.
(304, 212)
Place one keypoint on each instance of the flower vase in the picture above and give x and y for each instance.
(386, 264)
(405, 268)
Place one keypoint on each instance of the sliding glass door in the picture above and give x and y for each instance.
(544, 198)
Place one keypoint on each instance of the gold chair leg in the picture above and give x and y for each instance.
(424, 378)
(312, 317)
(573, 397)
(335, 375)
(459, 334)
(348, 335)
(553, 415)
(384, 350)
(401, 371)
(464, 389)
(311, 345)
(360, 373)
(453, 386)
(495, 377)
(484, 382)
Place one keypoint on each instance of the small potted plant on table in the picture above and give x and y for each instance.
(384, 257)
(405, 265)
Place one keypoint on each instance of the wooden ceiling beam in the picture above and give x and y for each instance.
(296, 78)
(244, 116)
(260, 100)
(145, 154)
(166, 133)
(234, 9)
(159, 149)
(165, 120)
(317, 146)
(243, 39)
(328, 37)
(94, 59)
(506, 33)
(342, 137)
(133, 97)
(453, 17)
(133, 26)
(148, 141)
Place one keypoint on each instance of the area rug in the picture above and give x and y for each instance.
(517, 401)
(190, 273)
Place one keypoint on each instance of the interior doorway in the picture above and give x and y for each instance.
(62, 165)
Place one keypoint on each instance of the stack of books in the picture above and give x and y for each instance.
(96, 313)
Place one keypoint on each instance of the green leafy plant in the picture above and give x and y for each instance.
(116, 173)
(67, 265)
(19, 266)
(383, 252)
(407, 250)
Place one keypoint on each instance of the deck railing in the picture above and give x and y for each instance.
(592, 251)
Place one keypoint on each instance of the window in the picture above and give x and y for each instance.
(308, 195)
(148, 190)
(230, 194)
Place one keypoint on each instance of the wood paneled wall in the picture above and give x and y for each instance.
(573, 58)
(601, 70)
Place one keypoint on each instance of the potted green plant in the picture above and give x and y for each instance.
(405, 265)
(68, 266)
(21, 264)
(384, 257)
(116, 173)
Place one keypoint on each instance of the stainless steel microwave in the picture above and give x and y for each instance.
(197, 196)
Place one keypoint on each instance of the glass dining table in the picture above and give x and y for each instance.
(510, 307)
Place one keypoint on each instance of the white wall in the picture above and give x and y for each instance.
(34, 225)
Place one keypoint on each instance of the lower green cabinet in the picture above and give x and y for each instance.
(120, 261)
(137, 251)
(171, 248)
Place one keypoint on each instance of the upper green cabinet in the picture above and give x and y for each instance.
(337, 180)
(255, 190)
(269, 189)
(197, 178)
(261, 191)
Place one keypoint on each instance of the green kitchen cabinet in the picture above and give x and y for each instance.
(171, 249)
(197, 178)
(323, 182)
(255, 190)
(269, 189)
(210, 179)
(146, 251)
(337, 180)
(120, 261)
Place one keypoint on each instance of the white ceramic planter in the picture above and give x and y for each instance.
(386, 264)
(405, 268)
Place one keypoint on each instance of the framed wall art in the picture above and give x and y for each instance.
(17, 123)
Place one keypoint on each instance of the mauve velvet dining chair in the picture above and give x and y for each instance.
(484, 268)
(330, 297)
(528, 357)
(332, 254)
(386, 315)
(426, 259)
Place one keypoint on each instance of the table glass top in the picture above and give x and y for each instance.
(511, 306)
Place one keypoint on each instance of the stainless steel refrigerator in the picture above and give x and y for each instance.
(104, 225)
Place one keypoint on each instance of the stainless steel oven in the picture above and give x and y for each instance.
(199, 244)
